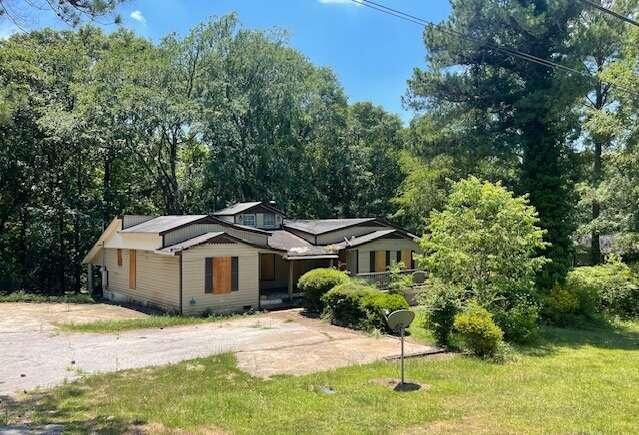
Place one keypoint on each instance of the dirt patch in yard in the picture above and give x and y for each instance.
(19, 316)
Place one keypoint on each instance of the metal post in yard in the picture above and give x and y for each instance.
(402, 357)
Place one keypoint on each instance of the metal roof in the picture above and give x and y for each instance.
(321, 226)
(236, 208)
(163, 223)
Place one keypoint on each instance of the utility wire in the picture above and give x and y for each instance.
(610, 12)
(509, 51)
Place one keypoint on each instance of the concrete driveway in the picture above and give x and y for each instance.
(33, 353)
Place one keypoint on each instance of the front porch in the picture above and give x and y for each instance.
(279, 276)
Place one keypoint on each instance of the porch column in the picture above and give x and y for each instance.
(290, 280)
(90, 278)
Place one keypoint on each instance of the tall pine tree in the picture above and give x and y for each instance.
(522, 106)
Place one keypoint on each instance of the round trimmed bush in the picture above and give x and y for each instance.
(477, 331)
(315, 283)
(378, 305)
(344, 303)
(361, 306)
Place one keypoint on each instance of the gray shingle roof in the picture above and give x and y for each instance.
(236, 208)
(190, 243)
(360, 240)
(320, 226)
(296, 246)
(163, 223)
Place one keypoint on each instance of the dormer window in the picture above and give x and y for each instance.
(248, 220)
(269, 220)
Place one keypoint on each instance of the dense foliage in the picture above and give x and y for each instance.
(95, 125)
(315, 283)
(588, 292)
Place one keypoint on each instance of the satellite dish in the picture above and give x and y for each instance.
(400, 319)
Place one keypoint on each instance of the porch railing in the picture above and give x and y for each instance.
(383, 279)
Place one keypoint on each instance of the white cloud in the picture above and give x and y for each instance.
(137, 16)
(340, 2)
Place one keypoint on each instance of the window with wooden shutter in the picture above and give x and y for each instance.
(119, 257)
(221, 275)
(132, 268)
(407, 258)
(380, 261)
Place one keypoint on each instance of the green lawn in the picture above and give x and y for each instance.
(577, 381)
(151, 321)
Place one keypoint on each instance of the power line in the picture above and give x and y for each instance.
(509, 51)
(610, 12)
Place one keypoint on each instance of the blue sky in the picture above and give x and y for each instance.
(373, 54)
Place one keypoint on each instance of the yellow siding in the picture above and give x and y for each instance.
(383, 245)
(196, 301)
(157, 278)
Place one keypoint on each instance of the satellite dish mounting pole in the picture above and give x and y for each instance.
(402, 357)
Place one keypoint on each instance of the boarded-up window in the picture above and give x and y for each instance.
(119, 257)
(380, 261)
(407, 258)
(132, 268)
(220, 275)
(267, 267)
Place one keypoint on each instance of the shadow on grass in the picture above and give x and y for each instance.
(48, 412)
(603, 335)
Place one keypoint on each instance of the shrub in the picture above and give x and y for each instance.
(442, 305)
(378, 305)
(344, 303)
(361, 306)
(610, 288)
(568, 305)
(477, 330)
(614, 283)
(316, 283)
(520, 323)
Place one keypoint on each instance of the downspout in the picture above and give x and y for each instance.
(180, 285)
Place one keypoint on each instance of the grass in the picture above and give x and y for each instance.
(151, 321)
(67, 298)
(577, 381)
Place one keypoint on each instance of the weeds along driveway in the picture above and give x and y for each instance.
(35, 354)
